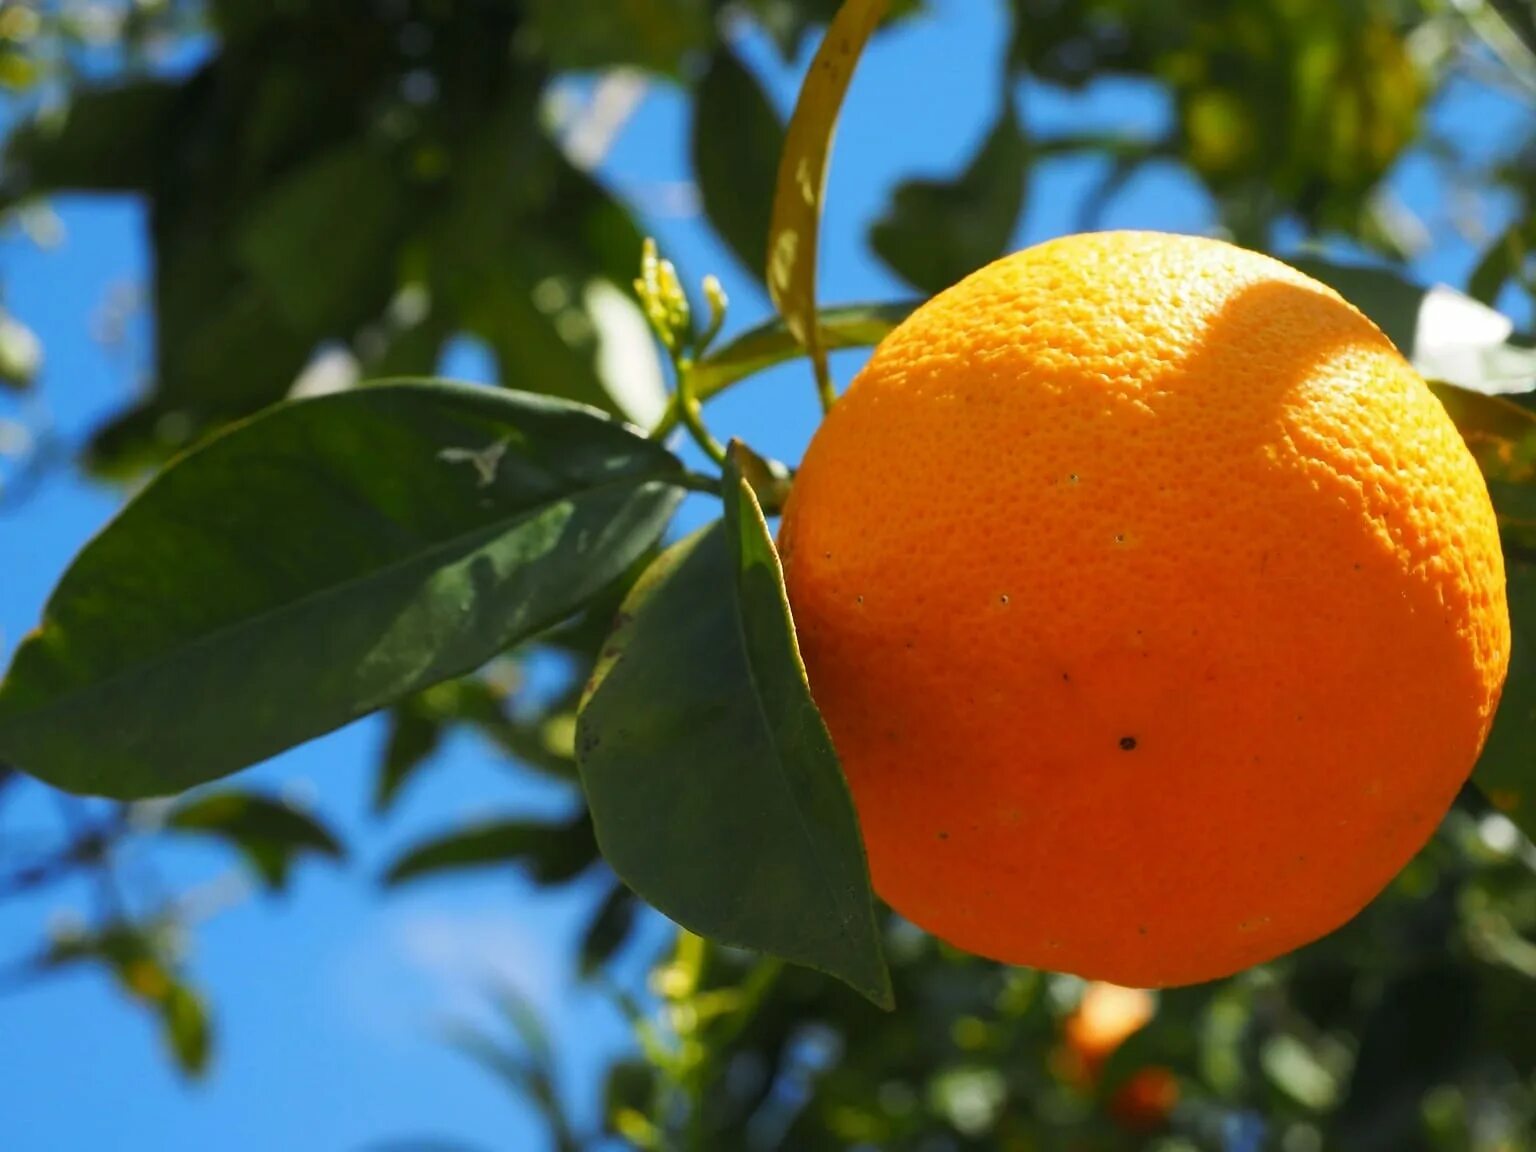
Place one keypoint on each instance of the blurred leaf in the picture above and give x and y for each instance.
(609, 927)
(104, 140)
(137, 957)
(1506, 771)
(527, 1066)
(737, 140)
(789, 22)
(592, 34)
(270, 834)
(1446, 335)
(1504, 260)
(712, 782)
(347, 207)
(20, 354)
(935, 233)
(1502, 438)
(1418, 1036)
(802, 177)
(552, 853)
(316, 563)
(184, 1018)
(415, 732)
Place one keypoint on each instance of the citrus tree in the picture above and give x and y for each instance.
(292, 559)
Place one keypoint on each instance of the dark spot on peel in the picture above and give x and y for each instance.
(1127, 743)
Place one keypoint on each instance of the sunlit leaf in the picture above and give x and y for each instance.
(316, 563)
(802, 176)
(713, 784)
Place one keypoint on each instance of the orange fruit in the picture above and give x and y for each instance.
(1104, 1018)
(1155, 606)
(1146, 1099)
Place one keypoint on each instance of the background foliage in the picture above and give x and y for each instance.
(339, 190)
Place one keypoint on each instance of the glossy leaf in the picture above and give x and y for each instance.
(802, 177)
(737, 141)
(712, 782)
(552, 853)
(937, 232)
(318, 562)
(270, 834)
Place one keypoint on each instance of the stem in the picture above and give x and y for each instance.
(699, 482)
(692, 413)
(824, 389)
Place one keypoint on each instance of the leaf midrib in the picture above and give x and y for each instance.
(223, 632)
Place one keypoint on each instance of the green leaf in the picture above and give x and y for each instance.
(592, 34)
(712, 782)
(104, 140)
(270, 834)
(1445, 334)
(1506, 771)
(184, 1023)
(138, 958)
(802, 178)
(349, 204)
(847, 326)
(1422, 1033)
(737, 140)
(20, 354)
(553, 853)
(608, 929)
(935, 232)
(415, 731)
(318, 562)
(1502, 438)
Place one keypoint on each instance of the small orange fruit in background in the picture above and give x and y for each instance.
(1105, 1018)
(1154, 604)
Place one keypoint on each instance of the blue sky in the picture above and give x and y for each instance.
(330, 1002)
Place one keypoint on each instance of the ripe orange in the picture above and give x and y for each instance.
(1154, 604)
(1144, 1102)
(1105, 1018)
